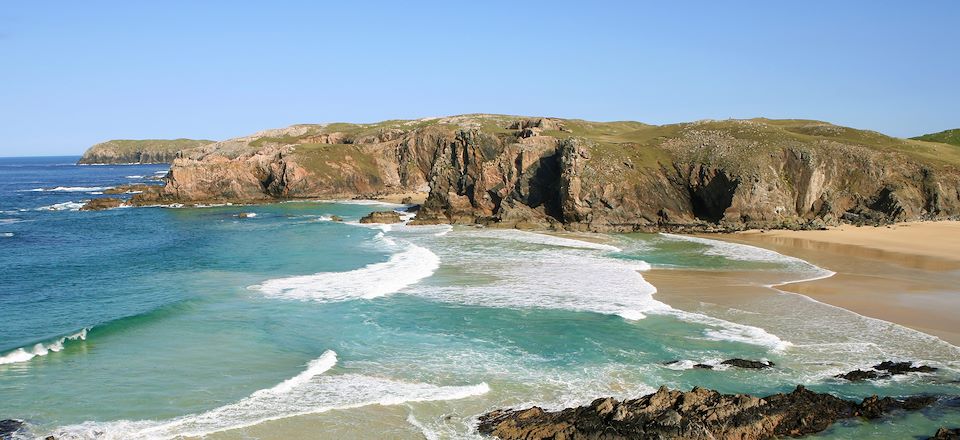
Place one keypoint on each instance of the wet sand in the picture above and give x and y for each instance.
(908, 274)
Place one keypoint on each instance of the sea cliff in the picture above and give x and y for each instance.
(578, 175)
(122, 151)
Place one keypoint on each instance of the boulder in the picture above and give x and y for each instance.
(946, 434)
(381, 217)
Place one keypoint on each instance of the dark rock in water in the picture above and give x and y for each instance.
(101, 203)
(946, 434)
(9, 427)
(381, 217)
(744, 363)
(858, 375)
(696, 415)
(411, 208)
(336, 218)
(703, 366)
(884, 370)
(903, 368)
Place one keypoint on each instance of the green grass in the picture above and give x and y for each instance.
(172, 145)
(951, 137)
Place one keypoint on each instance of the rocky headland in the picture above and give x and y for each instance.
(693, 415)
(586, 176)
(143, 151)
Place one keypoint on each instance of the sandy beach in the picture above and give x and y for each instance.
(907, 273)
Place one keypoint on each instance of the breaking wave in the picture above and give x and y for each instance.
(309, 392)
(24, 354)
(71, 189)
(374, 280)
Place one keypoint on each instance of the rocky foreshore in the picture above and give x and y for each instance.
(699, 414)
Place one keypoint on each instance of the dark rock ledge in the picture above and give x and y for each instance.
(699, 414)
(884, 370)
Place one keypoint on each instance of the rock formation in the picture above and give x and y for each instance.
(138, 151)
(884, 370)
(381, 217)
(946, 434)
(694, 415)
(579, 175)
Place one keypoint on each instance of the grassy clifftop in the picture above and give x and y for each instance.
(138, 150)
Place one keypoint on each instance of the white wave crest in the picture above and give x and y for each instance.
(24, 354)
(548, 240)
(65, 206)
(308, 393)
(6, 234)
(374, 280)
(71, 189)
(134, 177)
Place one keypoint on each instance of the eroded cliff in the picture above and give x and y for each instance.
(123, 151)
(580, 175)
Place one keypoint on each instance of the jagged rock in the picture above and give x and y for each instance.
(745, 363)
(9, 427)
(884, 370)
(381, 217)
(858, 375)
(903, 367)
(694, 415)
(101, 203)
(247, 215)
(336, 218)
(703, 366)
(946, 434)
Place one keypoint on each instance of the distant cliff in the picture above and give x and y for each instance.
(138, 151)
(581, 175)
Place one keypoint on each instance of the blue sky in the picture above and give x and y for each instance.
(75, 73)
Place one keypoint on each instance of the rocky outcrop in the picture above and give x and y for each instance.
(946, 434)
(579, 175)
(384, 217)
(142, 151)
(745, 363)
(101, 203)
(697, 414)
(884, 370)
(9, 427)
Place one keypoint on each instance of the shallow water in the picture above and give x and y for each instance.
(201, 322)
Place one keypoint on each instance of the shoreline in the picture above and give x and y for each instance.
(906, 274)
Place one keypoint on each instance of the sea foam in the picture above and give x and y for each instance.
(403, 268)
(539, 271)
(71, 189)
(309, 392)
(24, 354)
(65, 206)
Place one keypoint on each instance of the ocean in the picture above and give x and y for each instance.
(163, 322)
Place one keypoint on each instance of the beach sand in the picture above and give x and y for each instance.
(908, 274)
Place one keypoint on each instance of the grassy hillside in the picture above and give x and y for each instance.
(951, 137)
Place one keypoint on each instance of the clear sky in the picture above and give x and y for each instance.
(73, 73)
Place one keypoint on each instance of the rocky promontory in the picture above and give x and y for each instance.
(125, 151)
(534, 172)
(699, 414)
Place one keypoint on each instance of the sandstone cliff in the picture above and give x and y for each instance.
(124, 151)
(580, 175)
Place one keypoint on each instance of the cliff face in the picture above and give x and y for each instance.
(138, 151)
(578, 175)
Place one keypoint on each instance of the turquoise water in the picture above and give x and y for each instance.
(196, 321)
